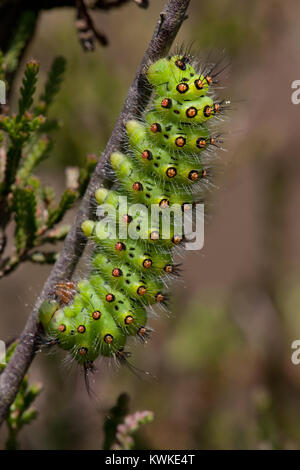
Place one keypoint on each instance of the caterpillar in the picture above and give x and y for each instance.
(162, 165)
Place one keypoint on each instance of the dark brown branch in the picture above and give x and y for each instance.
(49, 4)
(164, 34)
(11, 11)
(87, 31)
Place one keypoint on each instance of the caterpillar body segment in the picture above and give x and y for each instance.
(186, 112)
(168, 171)
(159, 229)
(168, 135)
(143, 258)
(123, 276)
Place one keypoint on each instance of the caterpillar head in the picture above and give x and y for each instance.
(175, 69)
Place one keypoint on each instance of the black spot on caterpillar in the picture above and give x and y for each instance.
(162, 167)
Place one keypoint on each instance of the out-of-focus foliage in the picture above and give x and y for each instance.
(25, 144)
(120, 427)
(222, 358)
(23, 32)
(20, 412)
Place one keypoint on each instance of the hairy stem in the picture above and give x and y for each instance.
(169, 23)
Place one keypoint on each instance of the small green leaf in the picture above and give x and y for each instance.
(115, 417)
(57, 234)
(33, 155)
(56, 215)
(13, 158)
(52, 85)
(22, 33)
(25, 217)
(44, 258)
(86, 172)
(32, 392)
(29, 85)
(27, 417)
(48, 195)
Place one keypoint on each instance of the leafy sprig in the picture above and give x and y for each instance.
(120, 427)
(21, 411)
(23, 198)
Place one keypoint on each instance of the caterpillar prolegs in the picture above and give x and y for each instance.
(162, 166)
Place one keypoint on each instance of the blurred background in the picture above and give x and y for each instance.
(221, 363)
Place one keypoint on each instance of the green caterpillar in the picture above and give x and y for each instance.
(162, 166)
